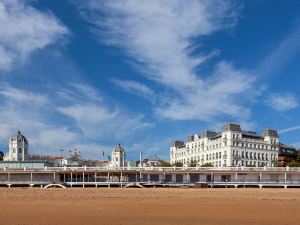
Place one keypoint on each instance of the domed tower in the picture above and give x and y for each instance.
(18, 148)
(118, 157)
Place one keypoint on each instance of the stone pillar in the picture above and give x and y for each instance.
(173, 178)
(148, 177)
(161, 177)
(285, 178)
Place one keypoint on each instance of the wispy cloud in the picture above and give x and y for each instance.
(158, 36)
(288, 47)
(136, 88)
(290, 129)
(24, 29)
(98, 121)
(282, 102)
(37, 116)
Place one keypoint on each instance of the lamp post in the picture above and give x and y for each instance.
(61, 152)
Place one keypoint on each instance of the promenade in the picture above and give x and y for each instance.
(151, 177)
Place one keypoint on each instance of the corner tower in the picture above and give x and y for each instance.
(18, 148)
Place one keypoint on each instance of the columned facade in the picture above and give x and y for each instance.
(232, 147)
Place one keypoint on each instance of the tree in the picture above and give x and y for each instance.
(1, 156)
(207, 165)
(193, 163)
(165, 164)
(250, 165)
(294, 164)
(178, 164)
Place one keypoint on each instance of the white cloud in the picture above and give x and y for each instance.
(37, 116)
(29, 112)
(136, 88)
(289, 47)
(97, 121)
(282, 102)
(24, 29)
(286, 130)
(159, 36)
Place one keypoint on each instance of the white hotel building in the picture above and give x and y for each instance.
(231, 147)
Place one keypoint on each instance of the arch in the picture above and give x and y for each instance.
(55, 185)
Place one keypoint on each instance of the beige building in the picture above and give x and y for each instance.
(231, 147)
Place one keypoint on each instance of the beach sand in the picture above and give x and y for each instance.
(24, 206)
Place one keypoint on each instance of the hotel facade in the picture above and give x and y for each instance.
(232, 147)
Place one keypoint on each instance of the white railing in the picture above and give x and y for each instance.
(158, 169)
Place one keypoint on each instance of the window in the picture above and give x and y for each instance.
(20, 150)
(14, 150)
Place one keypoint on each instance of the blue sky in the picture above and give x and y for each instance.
(91, 74)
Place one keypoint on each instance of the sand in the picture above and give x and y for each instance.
(24, 206)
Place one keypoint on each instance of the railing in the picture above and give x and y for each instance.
(158, 169)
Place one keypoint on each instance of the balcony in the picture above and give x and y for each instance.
(224, 156)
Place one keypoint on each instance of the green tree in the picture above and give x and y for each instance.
(294, 164)
(165, 164)
(193, 163)
(250, 166)
(207, 165)
(1, 156)
(178, 164)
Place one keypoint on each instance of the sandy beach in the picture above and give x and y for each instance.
(24, 206)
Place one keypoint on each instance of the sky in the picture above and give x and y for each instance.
(93, 74)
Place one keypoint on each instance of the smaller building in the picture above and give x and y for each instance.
(118, 157)
(154, 162)
(74, 159)
(286, 154)
(18, 148)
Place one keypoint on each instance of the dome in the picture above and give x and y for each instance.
(19, 137)
(118, 148)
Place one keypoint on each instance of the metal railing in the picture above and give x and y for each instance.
(158, 169)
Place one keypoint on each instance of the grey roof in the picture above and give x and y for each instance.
(119, 148)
